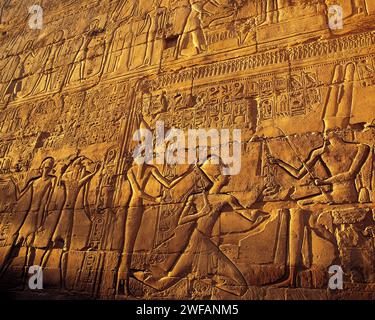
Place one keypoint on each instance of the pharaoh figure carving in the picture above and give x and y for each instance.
(139, 175)
(343, 161)
(200, 255)
(342, 167)
(263, 90)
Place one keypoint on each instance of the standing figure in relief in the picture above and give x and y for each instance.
(25, 59)
(39, 190)
(270, 10)
(139, 175)
(194, 27)
(51, 57)
(125, 10)
(155, 20)
(121, 45)
(201, 256)
(359, 6)
(81, 56)
(74, 179)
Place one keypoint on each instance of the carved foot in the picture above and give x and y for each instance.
(140, 275)
(288, 283)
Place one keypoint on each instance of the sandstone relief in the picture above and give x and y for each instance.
(289, 96)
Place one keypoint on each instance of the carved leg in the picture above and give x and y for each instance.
(158, 284)
(296, 228)
(181, 269)
(82, 66)
(229, 278)
(133, 223)
(45, 258)
(63, 269)
(28, 263)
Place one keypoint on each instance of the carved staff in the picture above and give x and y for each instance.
(294, 149)
(130, 124)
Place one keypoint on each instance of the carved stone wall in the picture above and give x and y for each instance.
(72, 200)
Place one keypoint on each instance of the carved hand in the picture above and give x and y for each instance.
(97, 167)
(273, 160)
(319, 182)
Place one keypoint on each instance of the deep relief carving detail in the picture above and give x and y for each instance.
(75, 200)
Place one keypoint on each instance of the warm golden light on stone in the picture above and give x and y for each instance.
(282, 90)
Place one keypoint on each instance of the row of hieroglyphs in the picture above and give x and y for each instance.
(132, 37)
(235, 103)
(76, 118)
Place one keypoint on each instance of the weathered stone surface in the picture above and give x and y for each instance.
(74, 200)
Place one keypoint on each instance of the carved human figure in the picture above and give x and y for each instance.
(269, 10)
(193, 28)
(204, 209)
(24, 61)
(40, 190)
(359, 6)
(269, 13)
(51, 57)
(2, 10)
(104, 202)
(123, 17)
(343, 162)
(73, 179)
(138, 176)
(9, 64)
(120, 51)
(81, 56)
(155, 21)
(125, 10)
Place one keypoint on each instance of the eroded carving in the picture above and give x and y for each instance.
(75, 201)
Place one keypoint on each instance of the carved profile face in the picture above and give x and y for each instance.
(213, 168)
(47, 165)
(58, 36)
(156, 4)
(94, 25)
(86, 164)
(75, 169)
